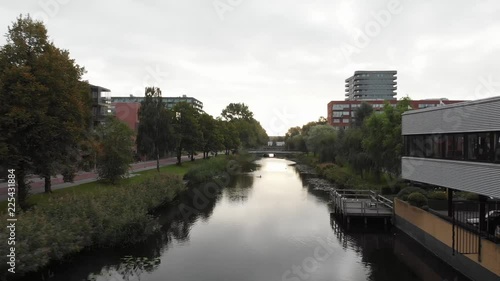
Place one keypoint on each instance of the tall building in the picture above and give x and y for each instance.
(101, 105)
(169, 101)
(341, 114)
(371, 85)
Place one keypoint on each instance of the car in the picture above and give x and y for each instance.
(489, 216)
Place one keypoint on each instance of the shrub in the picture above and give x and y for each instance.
(405, 192)
(68, 224)
(438, 195)
(385, 190)
(417, 199)
(471, 196)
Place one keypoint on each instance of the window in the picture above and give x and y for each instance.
(337, 114)
(497, 147)
(335, 120)
(345, 113)
(459, 144)
(353, 113)
(340, 106)
(480, 147)
(345, 120)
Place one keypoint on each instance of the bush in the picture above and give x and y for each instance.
(405, 192)
(417, 199)
(68, 224)
(471, 196)
(385, 190)
(438, 195)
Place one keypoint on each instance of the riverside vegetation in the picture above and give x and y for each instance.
(116, 215)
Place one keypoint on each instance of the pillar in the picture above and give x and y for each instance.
(450, 202)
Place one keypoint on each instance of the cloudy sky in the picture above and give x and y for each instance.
(285, 59)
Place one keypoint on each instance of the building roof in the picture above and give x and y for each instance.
(100, 88)
(454, 105)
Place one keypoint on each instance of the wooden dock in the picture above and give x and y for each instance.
(361, 204)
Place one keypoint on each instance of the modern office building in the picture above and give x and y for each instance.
(101, 105)
(456, 147)
(341, 114)
(169, 101)
(371, 85)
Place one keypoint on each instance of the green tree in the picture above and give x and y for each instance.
(361, 113)
(212, 139)
(231, 140)
(250, 131)
(155, 133)
(317, 137)
(237, 111)
(115, 152)
(44, 106)
(187, 129)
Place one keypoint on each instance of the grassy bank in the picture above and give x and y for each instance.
(345, 178)
(91, 215)
(215, 167)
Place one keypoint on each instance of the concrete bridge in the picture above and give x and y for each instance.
(273, 150)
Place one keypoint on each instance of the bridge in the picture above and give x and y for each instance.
(273, 150)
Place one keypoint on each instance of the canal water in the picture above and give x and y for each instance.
(268, 225)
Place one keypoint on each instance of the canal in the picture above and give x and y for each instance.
(268, 225)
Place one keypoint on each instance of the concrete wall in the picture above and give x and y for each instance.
(435, 234)
(482, 178)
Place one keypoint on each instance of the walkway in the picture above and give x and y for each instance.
(38, 184)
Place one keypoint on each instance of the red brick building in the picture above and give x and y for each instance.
(341, 113)
(128, 112)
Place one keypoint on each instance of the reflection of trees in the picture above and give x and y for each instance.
(239, 189)
(391, 255)
(109, 263)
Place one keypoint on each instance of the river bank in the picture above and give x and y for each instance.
(344, 177)
(114, 216)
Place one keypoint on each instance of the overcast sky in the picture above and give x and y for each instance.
(285, 59)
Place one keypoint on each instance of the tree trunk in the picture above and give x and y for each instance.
(157, 159)
(192, 155)
(48, 184)
(179, 155)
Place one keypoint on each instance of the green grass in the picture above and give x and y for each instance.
(99, 186)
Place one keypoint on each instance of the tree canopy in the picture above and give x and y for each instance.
(44, 105)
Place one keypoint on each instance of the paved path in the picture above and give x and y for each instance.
(38, 184)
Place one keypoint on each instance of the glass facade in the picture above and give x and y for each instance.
(479, 147)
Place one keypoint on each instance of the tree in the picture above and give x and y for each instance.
(155, 132)
(187, 129)
(361, 113)
(115, 153)
(317, 136)
(230, 136)
(212, 139)
(237, 111)
(44, 106)
(250, 131)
